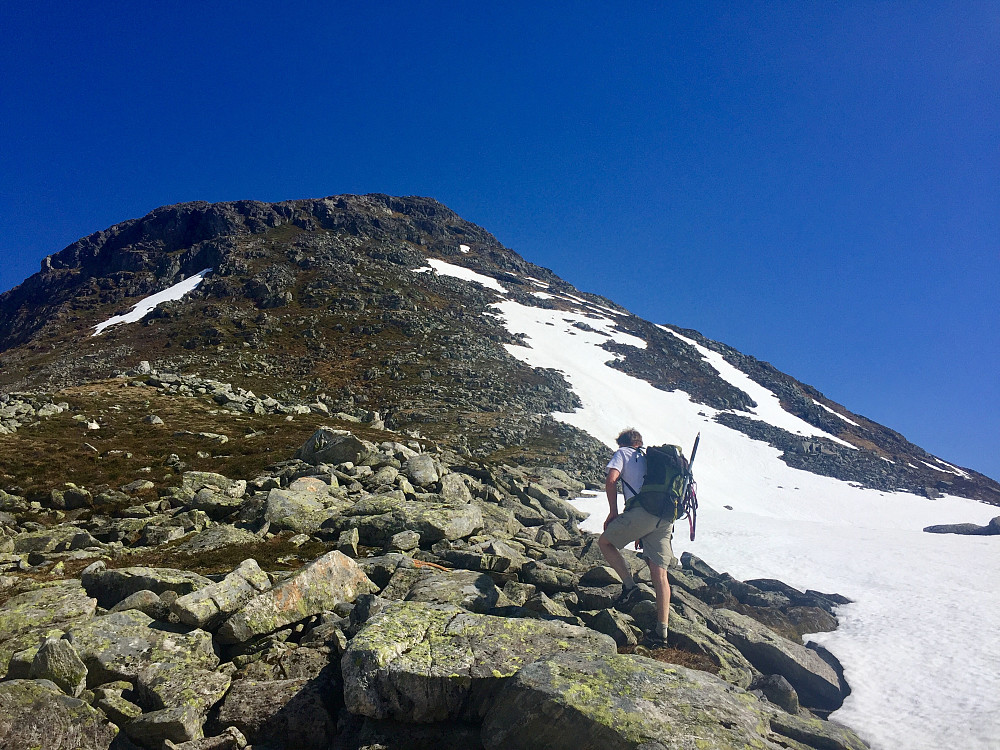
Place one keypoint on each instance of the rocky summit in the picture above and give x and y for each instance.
(271, 477)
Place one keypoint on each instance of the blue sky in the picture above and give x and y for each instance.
(816, 184)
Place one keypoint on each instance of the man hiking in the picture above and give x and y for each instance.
(635, 524)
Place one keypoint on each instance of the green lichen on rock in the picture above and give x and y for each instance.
(37, 714)
(573, 700)
(423, 662)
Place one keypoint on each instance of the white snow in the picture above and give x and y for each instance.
(464, 248)
(768, 404)
(836, 413)
(145, 306)
(460, 272)
(921, 642)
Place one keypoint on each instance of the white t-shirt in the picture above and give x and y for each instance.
(631, 464)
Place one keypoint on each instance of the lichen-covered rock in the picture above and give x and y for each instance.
(331, 446)
(279, 713)
(424, 663)
(25, 617)
(58, 661)
(208, 607)
(192, 482)
(423, 470)
(377, 518)
(301, 512)
(230, 739)
(111, 585)
(216, 537)
(119, 646)
(467, 589)
(180, 724)
(694, 637)
(37, 714)
(814, 680)
(574, 700)
(171, 685)
(321, 585)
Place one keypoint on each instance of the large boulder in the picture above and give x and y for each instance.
(603, 700)
(321, 585)
(208, 607)
(379, 517)
(120, 645)
(814, 680)
(467, 589)
(288, 713)
(301, 512)
(424, 663)
(331, 446)
(25, 618)
(57, 661)
(37, 714)
(111, 585)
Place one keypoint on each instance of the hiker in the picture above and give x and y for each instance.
(634, 524)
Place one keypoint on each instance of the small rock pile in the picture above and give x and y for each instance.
(457, 605)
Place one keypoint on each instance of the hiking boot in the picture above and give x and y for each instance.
(653, 641)
(627, 599)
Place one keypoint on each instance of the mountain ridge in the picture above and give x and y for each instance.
(318, 296)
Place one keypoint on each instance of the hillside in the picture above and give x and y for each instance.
(316, 300)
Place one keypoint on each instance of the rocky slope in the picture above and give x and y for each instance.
(376, 595)
(317, 300)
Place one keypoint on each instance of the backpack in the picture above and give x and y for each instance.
(663, 492)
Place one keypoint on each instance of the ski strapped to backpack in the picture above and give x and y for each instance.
(668, 490)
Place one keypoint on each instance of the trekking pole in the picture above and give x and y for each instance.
(691, 502)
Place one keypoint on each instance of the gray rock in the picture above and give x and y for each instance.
(209, 606)
(454, 489)
(216, 537)
(331, 446)
(815, 681)
(25, 617)
(179, 724)
(423, 470)
(378, 517)
(421, 662)
(230, 739)
(36, 714)
(467, 589)
(300, 512)
(348, 542)
(58, 661)
(145, 601)
(119, 646)
(111, 585)
(574, 700)
(319, 586)
(282, 713)
(192, 482)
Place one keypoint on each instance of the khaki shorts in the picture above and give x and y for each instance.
(636, 523)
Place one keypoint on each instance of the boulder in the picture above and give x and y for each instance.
(111, 585)
(422, 662)
(209, 606)
(152, 729)
(423, 470)
(230, 739)
(467, 589)
(192, 482)
(25, 617)
(57, 661)
(301, 512)
(279, 713)
(37, 714)
(378, 517)
(331, 446)
(575, 700)
(120, 645)
(216, 537)
(320, 585)
(814, 680)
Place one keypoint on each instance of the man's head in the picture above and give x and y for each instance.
(630, 439)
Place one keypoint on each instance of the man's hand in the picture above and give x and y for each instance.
(611, 517)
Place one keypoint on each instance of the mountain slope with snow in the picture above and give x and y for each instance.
(902, 637)
(398, 306)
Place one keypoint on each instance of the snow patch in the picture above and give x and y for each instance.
(461, 272)
(835, 413)
(143, 307)
(903, 637)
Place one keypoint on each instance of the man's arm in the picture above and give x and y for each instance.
(611, 489)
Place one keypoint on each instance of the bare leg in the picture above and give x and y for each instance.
(661, 585)
(617, 561)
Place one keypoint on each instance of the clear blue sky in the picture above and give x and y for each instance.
(814, 183)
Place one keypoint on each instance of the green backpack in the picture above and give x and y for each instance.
(663, 488)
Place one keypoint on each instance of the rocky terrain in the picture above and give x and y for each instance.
(316, 301)
(382, 594)
(317, 503)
